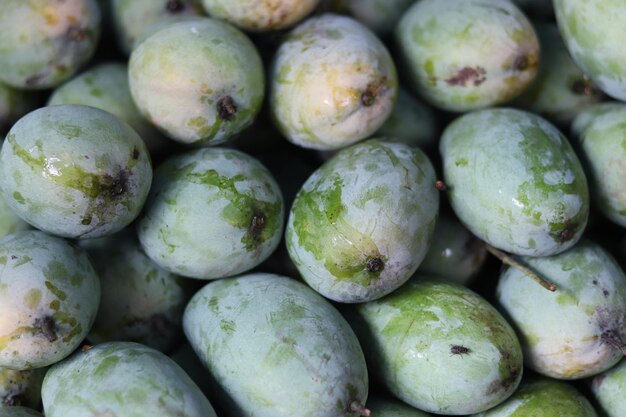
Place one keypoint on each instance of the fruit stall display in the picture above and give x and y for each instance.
(312, 208)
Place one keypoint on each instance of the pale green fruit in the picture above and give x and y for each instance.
(576, 331)
(362, 223)
(333, 83)
(468, 54)
(609, 390)
(44, 42)
(121, 379)
(49, 296)
(514, 181)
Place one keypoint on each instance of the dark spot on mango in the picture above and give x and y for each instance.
(76, 33)
(135, 153)
(118, 184)
(613, 339)
(257, 224)
(459, 350)
(521, 63)
(440, 185)
(375, 265)
(34, 80)
(468, 75)
(585, 87)
(47, 327)
(13, 400)
(226, 108)
(605, 293)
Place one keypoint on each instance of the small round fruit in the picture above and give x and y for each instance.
(75, 171)
(49, 296)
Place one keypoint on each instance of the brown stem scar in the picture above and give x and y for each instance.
(76, 33)
(375, 265)
(368, 97)
(257, 224)
(226, 108)
(521, 63)
(467, 75)
(47, 327)
(440, 185)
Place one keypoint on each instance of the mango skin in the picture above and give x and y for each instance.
(362, 223)
(44, 42)
(514, 181)
(414, 339)
(546, 398)
(121, 379)
(199, 81)
(602, 147)
(49, 296)
(593, 33)
(464, 55)
(75, 171)
(563, 332)
(9, 221)
(260, 16)
(608, 389)
(385, 407)
(211, 213)
(270, 325)
(332, 83)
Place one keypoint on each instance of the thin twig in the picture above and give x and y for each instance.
(511, 261)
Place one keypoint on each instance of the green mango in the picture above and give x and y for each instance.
(121, 379)
(576, 331)
(545, 398)
(439, 347)
(467, 54)
(275, 348)
(49, 296)
(332, 83)
(514, 181)
(44, 42)
(362, 223)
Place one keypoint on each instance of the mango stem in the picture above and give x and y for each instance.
(511, 261)
(357, 407)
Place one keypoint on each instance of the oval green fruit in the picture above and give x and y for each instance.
(608, 389)
(75, 171)
(439, 347)
(362, 223)
(333, 83)
(211, 213)
(49, 296)
(121, 379)
(467, 54)
(269, 325)
(514, 181)
(578, 330)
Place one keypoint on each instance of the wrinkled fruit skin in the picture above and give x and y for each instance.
(44, 42)
(264, 324)
(260, 16)
(333, 83)
(211, 213)
(49, 296)
(608, 389)
(566, 334)
(132, 19)
(121, 379)
(593, 33)
(440, 347)
(362, 223)
(514, 181)
(603, 148)
(140, 302)
(468, 54)
(546, 398)
(105, 87)
(75, 171)
(199, 81)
